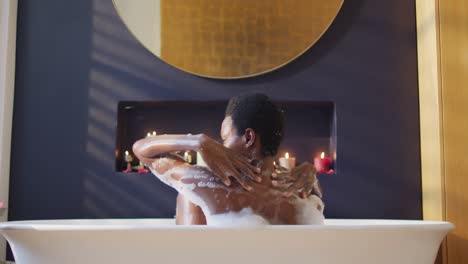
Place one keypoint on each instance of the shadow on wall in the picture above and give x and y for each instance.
(119, 70)
(122, 69)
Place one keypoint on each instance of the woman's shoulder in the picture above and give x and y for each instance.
(310, 211)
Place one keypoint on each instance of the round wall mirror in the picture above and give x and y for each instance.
(228, 38)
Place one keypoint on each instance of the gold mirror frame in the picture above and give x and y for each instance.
(228, 39)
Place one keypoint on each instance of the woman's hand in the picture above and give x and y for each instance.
(301, 180)
(226, 163)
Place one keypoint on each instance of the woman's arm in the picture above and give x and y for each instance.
(152, 147)
(222, 161)
(188, 213)
(198, 184)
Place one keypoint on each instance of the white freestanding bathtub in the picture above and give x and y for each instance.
(127, 241)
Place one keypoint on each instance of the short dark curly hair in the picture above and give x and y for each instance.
(258, 112)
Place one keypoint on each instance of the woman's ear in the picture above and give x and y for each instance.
(250, 137)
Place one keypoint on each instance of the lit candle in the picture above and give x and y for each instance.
(187, 157)
(141, 168)
(287, 162)
(128, 159)
(148, 135)
(154, 133)
(322, 164)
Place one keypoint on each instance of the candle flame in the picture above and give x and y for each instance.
(126, 153)
(286, 155)
(154, 133)
(322, 155)
(274, 163)
(149, 134)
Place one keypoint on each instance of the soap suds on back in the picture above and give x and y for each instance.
(186, 189)
(308, 211)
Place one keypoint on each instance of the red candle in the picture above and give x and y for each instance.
(322, 164)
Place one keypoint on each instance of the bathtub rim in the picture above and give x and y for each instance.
(169, 223)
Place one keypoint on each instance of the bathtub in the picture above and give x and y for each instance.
(127, 241)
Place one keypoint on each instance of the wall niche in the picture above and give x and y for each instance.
(310, 127)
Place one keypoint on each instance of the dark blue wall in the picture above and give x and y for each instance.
(76, 61)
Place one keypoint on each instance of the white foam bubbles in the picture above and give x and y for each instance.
(245, 217)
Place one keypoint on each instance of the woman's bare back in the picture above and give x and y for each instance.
(233, 204)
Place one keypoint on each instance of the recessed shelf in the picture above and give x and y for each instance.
(310, 126)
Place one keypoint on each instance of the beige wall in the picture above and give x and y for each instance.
(443, 69)
(453, 16)
(7, 73)
(430, 110)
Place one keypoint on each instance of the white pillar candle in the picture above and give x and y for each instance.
(188, 157)
(287, 162)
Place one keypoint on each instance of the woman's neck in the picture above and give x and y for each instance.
(267, 169)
